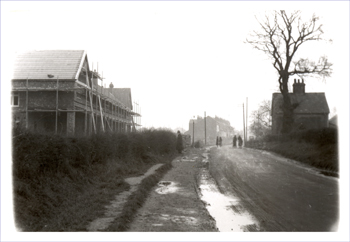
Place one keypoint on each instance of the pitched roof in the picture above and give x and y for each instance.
(124, 95)
(63, 64)
(309, 103)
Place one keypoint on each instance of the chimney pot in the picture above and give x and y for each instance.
(295, 80)
(298, 80)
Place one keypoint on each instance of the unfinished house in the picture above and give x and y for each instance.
(54, 91)
(311, 110)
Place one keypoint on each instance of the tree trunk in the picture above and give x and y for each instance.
(288, 117)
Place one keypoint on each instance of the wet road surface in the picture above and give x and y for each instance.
(225, 208)
(281, 194)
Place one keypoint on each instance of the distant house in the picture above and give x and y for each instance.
(311, 109)
(214, 127)
(54, 91)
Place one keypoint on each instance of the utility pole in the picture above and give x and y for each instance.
(205, 129)
(246, 113)
(243, 126)
(193, 133)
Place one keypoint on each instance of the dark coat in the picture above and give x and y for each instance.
(240, 141)
(234, 140)
(179, 146)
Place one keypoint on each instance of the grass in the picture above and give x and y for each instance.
(63, 203)
(137, 199)
(63, 183)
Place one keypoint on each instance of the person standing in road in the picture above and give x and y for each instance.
(179, 146)
(220, 141)
(234, 141)
(217, 141)
(240, 141)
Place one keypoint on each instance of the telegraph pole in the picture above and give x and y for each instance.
(243, 126)
(193, 133)
(246, 113)
(205, 129)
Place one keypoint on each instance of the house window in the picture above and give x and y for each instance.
(15, 100)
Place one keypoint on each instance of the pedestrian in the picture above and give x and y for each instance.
(240, 141)
(220, 141)
(217, 141)
(179, 146)
(234, 141)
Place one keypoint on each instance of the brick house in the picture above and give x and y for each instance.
(214, 127)
(54, 91)
(311, 109)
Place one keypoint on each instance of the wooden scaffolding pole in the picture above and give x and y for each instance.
(56, 107)
(85, 130)
(90, 97)
(113, 116)
(108, 124)
(27, 104)
(102, 124)
(105, 109)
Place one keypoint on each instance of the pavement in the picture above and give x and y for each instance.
(175, 205)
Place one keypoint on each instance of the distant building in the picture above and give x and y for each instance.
(311, 109)
(214, 127)
(54, 91)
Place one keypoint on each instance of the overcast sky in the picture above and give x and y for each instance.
(179, 58)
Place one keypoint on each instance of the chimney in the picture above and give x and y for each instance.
(299, 88)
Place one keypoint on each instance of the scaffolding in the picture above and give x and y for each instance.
(89, 99)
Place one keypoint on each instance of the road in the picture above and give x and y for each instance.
(283, 195)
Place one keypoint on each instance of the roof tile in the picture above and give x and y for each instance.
(63, 64)
(309, 103)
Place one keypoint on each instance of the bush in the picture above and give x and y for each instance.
(316, 136)
(35, 154)
(50, 171)
(316, 147)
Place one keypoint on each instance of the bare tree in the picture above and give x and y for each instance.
(261, 119)
(280, 37)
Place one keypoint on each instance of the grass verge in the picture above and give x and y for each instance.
(317, 148)
(63, 183)
(137, 199)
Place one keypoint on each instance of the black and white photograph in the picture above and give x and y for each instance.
(123, 119)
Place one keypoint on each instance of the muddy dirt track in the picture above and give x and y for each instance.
(282, 195)
(174, 205)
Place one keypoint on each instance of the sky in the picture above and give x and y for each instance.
(179, 58)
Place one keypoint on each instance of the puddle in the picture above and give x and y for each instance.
(188, 160)
(206, 158)
(164, 183)
(179, 219)
(157, 224)
(229, 214)
(166, 187)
